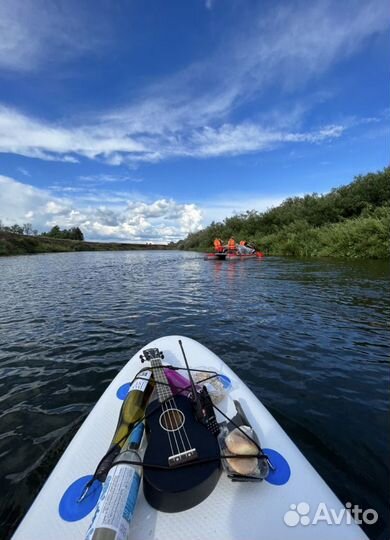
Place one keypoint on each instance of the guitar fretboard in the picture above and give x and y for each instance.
(163, 389)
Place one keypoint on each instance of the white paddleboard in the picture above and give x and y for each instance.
(281, 507)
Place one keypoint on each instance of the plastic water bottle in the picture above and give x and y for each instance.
(117, 501)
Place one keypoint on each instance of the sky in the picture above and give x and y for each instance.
(142, 121)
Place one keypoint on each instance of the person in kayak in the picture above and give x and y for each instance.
(218, 246)
(232, 245)
(245, 249)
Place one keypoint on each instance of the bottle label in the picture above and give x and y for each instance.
(141, 384)
(116, 504)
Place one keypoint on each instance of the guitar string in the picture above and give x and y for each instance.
(172, 420)
(169, 436)
(159, 392)
(168, 411)
(214, 374)
(171, 415)
(165, 409)
(192, 383)
(179, 429)
(182, 428)
(188, 440)
(174, 405)
(171, 404)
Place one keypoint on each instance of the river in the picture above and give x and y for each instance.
(309, 337)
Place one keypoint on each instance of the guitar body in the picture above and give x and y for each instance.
(182, 487)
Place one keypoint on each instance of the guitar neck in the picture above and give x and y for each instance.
(163, 389)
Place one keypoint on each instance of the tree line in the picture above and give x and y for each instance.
(350, 221)
(74, 233)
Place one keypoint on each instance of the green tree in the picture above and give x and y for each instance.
(55, 232)
(16, 229)
(27, 228)
(76, 234)
(315, 224)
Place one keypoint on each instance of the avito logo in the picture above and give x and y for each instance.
(299, 514)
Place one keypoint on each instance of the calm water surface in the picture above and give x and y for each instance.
(309, 337)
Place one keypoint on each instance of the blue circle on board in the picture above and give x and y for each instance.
(282, 471)
(123, 390)
(72, 510)
(225, 381)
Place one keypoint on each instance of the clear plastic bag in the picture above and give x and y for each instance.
(218, 385)
(246, 461)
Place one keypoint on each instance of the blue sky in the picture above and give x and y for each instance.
(145, 120)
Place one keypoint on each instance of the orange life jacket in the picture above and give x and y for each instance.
(231, 244)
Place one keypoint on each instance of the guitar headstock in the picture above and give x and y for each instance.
(151, 354)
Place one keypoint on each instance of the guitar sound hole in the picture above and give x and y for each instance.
(172, 420)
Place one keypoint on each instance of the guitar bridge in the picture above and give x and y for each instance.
(183, 457)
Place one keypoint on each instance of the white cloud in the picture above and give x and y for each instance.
(23, 171)
(125, 219)
(18, 201)
(54, 208)
(189, 219)
(284, 46)
(189, 114)
(124, 216)
(26, 136)
(37, 33)
(245, 138)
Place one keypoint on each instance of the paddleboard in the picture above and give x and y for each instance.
(283, 506)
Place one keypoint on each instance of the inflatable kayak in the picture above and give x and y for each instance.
(282, 506)
(231, 256)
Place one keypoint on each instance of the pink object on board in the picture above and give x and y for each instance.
(178, 383)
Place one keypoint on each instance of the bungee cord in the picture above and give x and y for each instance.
(179, 391)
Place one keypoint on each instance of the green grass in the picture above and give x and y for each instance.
(15, 244)
(357, 238)
(351, 221)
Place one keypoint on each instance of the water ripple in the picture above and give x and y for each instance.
(309, 337)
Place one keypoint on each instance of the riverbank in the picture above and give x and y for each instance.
(351, 221)
(18, 244)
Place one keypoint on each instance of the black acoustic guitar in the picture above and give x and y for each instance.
(176, 441)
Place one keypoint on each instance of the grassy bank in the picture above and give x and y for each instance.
(17, 244)
(351, 221)
(361, 237)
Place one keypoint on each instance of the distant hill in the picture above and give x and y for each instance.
(20, 244)
(350, 221)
